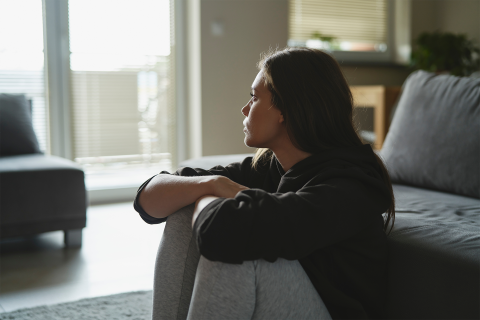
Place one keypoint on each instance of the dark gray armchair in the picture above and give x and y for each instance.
(38, 193)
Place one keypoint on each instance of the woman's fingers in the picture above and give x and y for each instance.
(226, 188)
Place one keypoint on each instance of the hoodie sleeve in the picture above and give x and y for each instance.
(261, 225)
(234, 171)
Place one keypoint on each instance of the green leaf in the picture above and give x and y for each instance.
(444, 51)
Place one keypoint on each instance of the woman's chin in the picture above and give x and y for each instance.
(248, 142)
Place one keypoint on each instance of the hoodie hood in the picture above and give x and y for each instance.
(358, 162)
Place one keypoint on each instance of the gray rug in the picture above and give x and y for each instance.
(130, 305)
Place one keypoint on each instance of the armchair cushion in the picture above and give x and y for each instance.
(40, 194)
(16, 131)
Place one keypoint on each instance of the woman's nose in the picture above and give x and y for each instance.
(245, 110)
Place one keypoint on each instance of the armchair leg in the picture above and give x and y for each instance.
(73, 238)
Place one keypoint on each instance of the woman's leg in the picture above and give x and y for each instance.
(175, 267)
(254, 290)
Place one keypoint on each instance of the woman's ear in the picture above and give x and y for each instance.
(281, 119)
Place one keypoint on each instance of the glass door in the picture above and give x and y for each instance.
(123, 115)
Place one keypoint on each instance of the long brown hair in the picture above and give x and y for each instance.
(310, 90)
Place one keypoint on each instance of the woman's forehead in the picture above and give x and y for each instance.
(258, 83)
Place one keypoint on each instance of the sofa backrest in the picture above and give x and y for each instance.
(434, 138)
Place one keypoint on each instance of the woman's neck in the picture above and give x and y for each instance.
(288, 157)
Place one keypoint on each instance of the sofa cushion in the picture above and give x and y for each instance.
(16, 130)
(434, 256)
(40, 193)
(433, 141)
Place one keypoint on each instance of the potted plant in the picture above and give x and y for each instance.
(320, 41)
(445, 52)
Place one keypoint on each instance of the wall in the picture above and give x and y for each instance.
(251, 26)
(461, 17)
(229, 64)
(457, 16)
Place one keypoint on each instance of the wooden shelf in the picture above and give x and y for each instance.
(381, 99)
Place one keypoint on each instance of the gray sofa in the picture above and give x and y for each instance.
(433, 154)
(38, 193)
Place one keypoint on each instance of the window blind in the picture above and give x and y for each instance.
(21, 58)
(360, 21)
(123, 115)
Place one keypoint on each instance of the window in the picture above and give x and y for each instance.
(100, 77)
(353, 30)
(122, 107)
(22, 60)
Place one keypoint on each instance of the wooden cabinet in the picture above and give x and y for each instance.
(381, 99)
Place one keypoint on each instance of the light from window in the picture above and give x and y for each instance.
(339, 25)
(122, 109)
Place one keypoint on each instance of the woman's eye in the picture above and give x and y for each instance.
(252, 95)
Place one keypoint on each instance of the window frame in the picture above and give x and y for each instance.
(398, 45)
(57, 77)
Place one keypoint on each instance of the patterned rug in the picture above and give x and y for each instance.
(130, 305)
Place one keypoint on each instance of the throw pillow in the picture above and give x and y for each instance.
(16, 130)
(434, 138)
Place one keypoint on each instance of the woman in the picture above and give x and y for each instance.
(296, 232)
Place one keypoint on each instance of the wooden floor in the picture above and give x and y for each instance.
(118, 255)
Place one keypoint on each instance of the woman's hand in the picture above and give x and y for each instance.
(223, 187)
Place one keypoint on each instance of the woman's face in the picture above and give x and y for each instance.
(263, 123)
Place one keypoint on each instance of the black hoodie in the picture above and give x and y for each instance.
(326, 212)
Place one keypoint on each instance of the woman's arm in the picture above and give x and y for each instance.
(200, 204)
(165, 194)
(261, 225)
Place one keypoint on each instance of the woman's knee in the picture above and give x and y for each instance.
(180, 222)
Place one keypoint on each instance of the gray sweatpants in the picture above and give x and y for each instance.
(188, 286)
